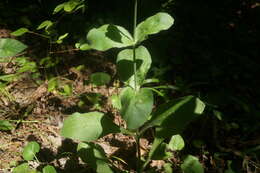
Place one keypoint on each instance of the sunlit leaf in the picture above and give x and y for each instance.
(191, 164)
(52, 84)
(84, 46)
(176, 143)
(88, 126)
(45, 24)
(23, 168)
(109, 36)
(116, 102)
(70, 5)
(5, 125)
(58, 8)
(60, 39)
(126, 69)
(94, 155)
(153, 25)
(168, 168)
(19, 32)
(67, 89)
(49, 169)
(9, 77)
(30, 150)
(10, 47)
(136, 106)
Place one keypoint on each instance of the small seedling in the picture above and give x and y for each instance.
(29, 153)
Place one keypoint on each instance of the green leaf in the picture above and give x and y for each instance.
(67, 90)
(9, 77)
(60, 39)
(116, 102)
(70, 5)
(126, 69)
(88, 126)
(191, 164)
(95, 156)
(153, 25)
(109, 36)
(161, 152)
(23, 168)
(167, 168)
(30, 150)
(19, 32)
(52, 84)
(10, 47)
(173, 117)
(49, 169)
(5, 125)
(136, 106)
(45, 24)
(100, 78)
(58, 8)
(84, 47)
(176, 143)
(28, 66)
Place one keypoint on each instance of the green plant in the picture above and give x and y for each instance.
(29, 154)
(135, 102)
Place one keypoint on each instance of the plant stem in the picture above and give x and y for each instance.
(137, 139)
(134, 46)
(24, 121)
(41, 35)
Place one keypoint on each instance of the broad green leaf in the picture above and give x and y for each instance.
(5, 125)
(23, 168)
(30, 150)
(45, 24)
(171, 119)
(49, 169)
(70, 5)
(19, 32)
(109, 36)
(100, 78)
(191, 164)
(153, 25)
(88, 126)
(126, 69)
(94, 155)
(10, 47)
(174, 116)
(136, 106)
(176, 143)
(58, 8)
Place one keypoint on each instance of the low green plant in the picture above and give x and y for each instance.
(29, 154)
(135, 101)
